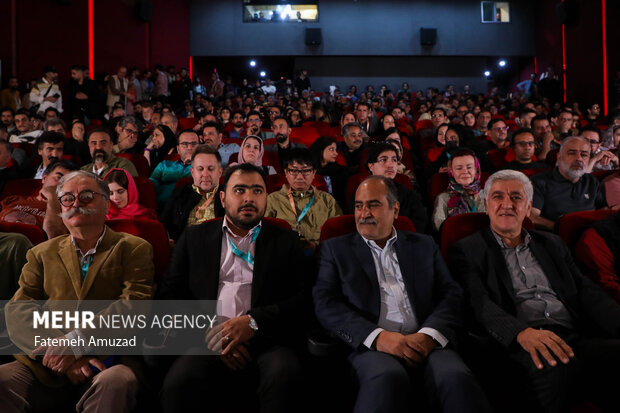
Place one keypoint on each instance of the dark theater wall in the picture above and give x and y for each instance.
(364, 27)
(48, 32)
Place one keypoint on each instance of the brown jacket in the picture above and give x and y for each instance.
(122, 269)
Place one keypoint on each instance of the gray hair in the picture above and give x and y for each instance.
(103, 187)
(510, 175)
(54, 122)
(129, 120)
(573, 138)
(174, 118)
(345, 128)
(390, 186)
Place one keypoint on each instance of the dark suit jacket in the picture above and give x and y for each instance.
(347, 299)
(177, 209)
(278, 294)
(478, 261)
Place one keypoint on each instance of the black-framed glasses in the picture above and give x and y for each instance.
(131, 132)
(85, 197)
(295, 172)
(523, 144)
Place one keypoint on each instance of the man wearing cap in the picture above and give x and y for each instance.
(46, 93)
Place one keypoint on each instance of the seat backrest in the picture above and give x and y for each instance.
(184, 181)
(22, 187)
(457, 227)
(501, 156)
(536, 171)
(32, 232)
(552, 157)
(154, 233)
(303, 135)
(146, 192)
(139, 161)
(572, 225)
(187, 123)
(345, 224)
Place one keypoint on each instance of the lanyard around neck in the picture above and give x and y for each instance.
(247, 257)
(303, 211)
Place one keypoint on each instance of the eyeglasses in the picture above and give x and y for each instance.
(188, 144)
(438, 115)
(526, 143)
(131, 131)
(85, 197)
(593, 142)
(304, 172)
(500, 129)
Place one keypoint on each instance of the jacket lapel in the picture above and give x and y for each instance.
(367, 264)
(211, 236)
(262, 252)
(546, 262)
(69, 258)
(497, 261)
(407, 257)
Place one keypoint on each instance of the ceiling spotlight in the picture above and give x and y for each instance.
(253, 63)
(262, 73)
(487, 73)
(502, 63)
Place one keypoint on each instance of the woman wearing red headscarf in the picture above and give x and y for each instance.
(124, 197)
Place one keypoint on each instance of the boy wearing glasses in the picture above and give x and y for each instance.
(299, 203)
(523, 144)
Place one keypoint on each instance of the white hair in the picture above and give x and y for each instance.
(510, 175)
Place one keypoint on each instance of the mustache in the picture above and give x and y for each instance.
(578, 164)
(247, 206)
(79, 210)
(367, 221)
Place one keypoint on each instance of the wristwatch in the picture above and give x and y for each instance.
(253, 324)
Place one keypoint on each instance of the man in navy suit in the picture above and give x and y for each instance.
(390, 297)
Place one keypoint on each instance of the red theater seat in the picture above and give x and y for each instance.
(22, 187)
(187, 123)
(139, 161)
(303, 135)
(571, 226)
(32, 232)
(151, 231)
(146, 192)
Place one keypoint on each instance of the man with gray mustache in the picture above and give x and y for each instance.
(567, 188)
(389, 296)
(92, 262)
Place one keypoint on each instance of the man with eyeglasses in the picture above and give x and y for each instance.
(92, 262)
(542, 132)
(238, 118)
(128, 134)
(600, 159)
(523, 145)
(438, 117)
(298, 202)
(255, 122)
(497, 138)
(383, 161)
(168, 172)
(100, 146)
(564, 124)
(594, 113)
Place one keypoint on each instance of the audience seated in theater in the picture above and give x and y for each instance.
(611, 188)
(168, 172)
(124, 197)
(25, 129)
(100, 145)
(353, 146)
(252, 151)
(540, 321)
(374, 292)
(598, 251)
(395, 139)
(50, 147)
(255, 122)
(523, 144)
(261, 275)
(41, 209)
(7, 119)
(563, 127)
(346, 118)
(363, 116)
(162, 143)
(567, 188)
(170, 120)
(383, 161)
(46, 92)
(303, 206)
(212, 136)
(237, 119)
(450, 138)
(114, 266)
(543, 134)
(325, 152)
(13, 248)
(128, 134)
(283, 145)
(195, 203)
(600, 159)
(387, 123)
(497, 138)
(76, 144)
(464, 193)
(439, 117)
(482, 121)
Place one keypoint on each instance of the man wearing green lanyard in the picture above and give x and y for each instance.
(257, 273)
(299, 203)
